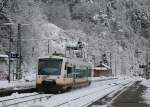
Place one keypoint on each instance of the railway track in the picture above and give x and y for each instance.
(104, 79)
(108, 99)
(114, 92)
(8, 92)
(23, 99)
(64, 104)
(34, 97)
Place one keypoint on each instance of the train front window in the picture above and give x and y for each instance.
(49, 66)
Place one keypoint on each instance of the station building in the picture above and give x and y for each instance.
(101, 70)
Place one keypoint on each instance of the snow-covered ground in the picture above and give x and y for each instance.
(80, 97)
(94, 79)
(29, 82)
(14, 95)
(85, 96)
(16, 84)
(146, 94)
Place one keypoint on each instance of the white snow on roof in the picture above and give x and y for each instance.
(100, 68)
(108, 67)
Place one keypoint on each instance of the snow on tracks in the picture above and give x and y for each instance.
(75, 98)
(85, 96)
(17, 99)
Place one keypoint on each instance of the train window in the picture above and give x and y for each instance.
(2, 59)
(66, 65)
(69, 70)
(49, 66)
(89, 72)
(81, 73)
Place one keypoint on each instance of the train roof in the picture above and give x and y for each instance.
(52, 56)
(73, 60)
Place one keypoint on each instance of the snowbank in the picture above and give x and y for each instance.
(21, 84)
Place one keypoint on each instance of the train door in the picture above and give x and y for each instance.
(69, 72)
(74, 75)
(69, 77)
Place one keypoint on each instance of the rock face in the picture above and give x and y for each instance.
(117, 28)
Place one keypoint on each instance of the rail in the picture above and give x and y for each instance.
(104, 79)
(115, 93)
(34, 97)
(122, 83)
(23, 99)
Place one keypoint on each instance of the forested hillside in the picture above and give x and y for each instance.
(119, 27)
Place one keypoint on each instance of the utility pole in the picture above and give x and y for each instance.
(110, 57)
(147, 72)
(9, 52)
(110, 60)
(138, 62)
(115, 65)
(18, 67)
(9, 55)
(93, 58)
(48, 47)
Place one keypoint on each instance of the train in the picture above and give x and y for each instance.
(59, 73)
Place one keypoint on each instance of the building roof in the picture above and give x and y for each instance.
(102, 66)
